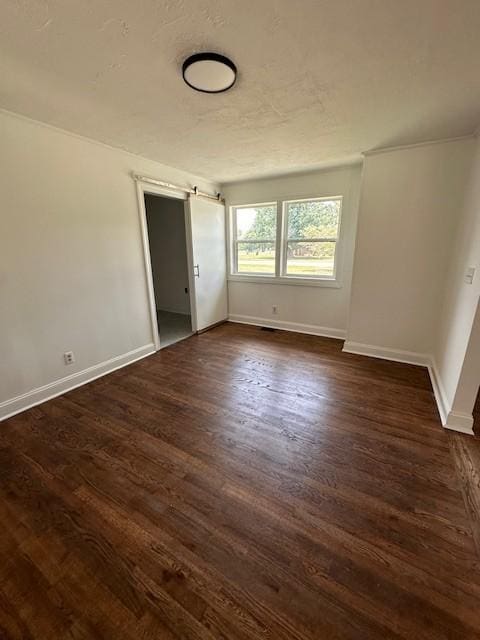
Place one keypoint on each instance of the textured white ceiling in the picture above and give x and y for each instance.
(320, 80)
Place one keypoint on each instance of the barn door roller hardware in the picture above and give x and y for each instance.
(195, 191)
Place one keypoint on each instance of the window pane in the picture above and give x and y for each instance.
(257, 223)
(313, 219)
(256, 257)
(310, 258)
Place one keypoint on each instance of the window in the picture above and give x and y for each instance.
(255, 229)
(293, 240)
(311, 237)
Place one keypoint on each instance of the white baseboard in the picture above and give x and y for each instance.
(384, 353)
(58, 387)
(453, 420)
(439, 392)
(461, 422)
(311, 329)
(180, 313)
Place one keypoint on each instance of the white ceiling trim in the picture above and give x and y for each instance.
(374, 152)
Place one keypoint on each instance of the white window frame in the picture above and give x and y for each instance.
(281, 247)
(234, 241)
(286, 239)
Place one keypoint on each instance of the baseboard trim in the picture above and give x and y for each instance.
(180, 313)
(310, 329)
(212, 326)
(384, 353)
(452, 420)
(438, 391)
(39, 395)
(461, 422)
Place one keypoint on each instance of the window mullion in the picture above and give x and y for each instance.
(234, 259)
(278, 241)
(284, 240)
(259, 241)
(312, 239)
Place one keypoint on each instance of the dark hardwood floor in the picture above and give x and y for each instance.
(240, 485)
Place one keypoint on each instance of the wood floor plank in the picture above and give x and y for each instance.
(241, 485)
(466, 454)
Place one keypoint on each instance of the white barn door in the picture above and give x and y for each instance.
(207, 219)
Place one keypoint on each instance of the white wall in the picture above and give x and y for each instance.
(469, 378)
(71, 260)
(456, 349)
(409, 213)
(168, 253)
(316, 309)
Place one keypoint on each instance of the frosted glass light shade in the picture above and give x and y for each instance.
(209, 72)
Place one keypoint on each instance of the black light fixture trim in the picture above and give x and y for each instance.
(216, 57)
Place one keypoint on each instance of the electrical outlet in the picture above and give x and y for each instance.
(274, 309)
(69, 357)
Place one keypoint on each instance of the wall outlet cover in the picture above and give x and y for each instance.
(69, 357)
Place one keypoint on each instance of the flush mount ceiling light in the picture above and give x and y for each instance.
(209, 72)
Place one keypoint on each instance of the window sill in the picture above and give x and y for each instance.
(287, 280)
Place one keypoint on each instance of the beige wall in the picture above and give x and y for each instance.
(71, 261)
(409, 213)
(453, 359)
(469, 377)
(168, 252)
(316, 308)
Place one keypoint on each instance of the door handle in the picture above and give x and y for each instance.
(196, 270)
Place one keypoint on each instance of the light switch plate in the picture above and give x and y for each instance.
(469, 275)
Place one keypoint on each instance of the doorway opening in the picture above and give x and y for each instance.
(167, 241)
